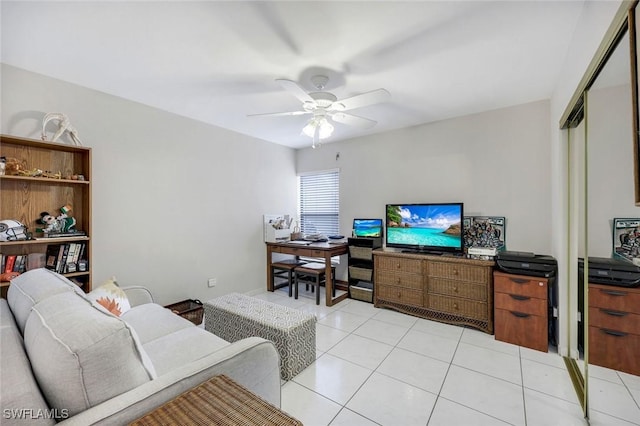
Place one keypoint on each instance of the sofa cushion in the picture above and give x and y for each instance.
(181, 347)
(144, 319)
(111, 296)
(18, 388)
(32, 287)
(81, 355)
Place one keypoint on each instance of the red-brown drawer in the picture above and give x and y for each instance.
(616, 298)
(614, 320)
(521, 329)
(520, 284)
(614, 349)
(518, 303)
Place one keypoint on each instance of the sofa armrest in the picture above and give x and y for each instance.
(253, 363)
(138, 295)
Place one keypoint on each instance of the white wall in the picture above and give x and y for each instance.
(175, 201)
(610, 165)
(496, 162)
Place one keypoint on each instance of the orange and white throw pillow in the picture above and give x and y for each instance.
(111, 297)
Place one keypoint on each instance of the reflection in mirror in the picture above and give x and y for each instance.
(604, 338)
(612, 342)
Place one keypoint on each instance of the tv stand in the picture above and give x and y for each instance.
(449, 289)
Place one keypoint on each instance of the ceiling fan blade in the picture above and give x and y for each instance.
(364, 99)
(295, 90)
(280, 113)
(353, 120)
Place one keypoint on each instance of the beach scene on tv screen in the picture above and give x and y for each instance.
(424, 225)
(367, 227)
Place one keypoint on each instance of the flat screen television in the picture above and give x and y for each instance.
(429, 227)
(369, 228)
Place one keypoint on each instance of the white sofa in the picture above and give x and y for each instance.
(62, 356)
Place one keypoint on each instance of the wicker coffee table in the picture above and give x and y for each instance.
(218, 401)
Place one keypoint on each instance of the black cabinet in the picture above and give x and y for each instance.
(361, 267)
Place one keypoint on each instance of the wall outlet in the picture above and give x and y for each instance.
(212, 282)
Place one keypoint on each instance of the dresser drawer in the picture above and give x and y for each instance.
(459, 272)
(614, 320)
(522, 329)
(390, 263)
(616, 298)
(456, 306)
(458, 289)
(299, 251)
(522, 304)
(400, 295)
(615, 350)
(520, 284)
(399, 279)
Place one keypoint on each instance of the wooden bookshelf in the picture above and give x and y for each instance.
(23, 198)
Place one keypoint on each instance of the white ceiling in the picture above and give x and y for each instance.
(217, 61)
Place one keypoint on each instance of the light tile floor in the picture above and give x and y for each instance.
(380, 367)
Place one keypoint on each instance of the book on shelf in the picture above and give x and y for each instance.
(13, 263)
(60, 256)
(9, 263)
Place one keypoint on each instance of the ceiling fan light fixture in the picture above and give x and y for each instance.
(324, 128)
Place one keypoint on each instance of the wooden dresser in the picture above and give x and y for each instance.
(521, 310)
(448, 289)
(614, 327)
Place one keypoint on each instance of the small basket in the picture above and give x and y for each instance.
(362, 291)
(358, 252)
(190, 309)
(357, 273)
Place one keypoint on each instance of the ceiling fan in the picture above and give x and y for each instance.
(325, 106)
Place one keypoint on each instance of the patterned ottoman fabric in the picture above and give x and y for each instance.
(237, 316)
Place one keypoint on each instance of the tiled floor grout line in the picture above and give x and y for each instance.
(356, 310)
(524, 399)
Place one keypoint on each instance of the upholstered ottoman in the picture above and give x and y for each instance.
(237, 316)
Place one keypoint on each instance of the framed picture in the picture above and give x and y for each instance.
(626, 239)
(485, 231)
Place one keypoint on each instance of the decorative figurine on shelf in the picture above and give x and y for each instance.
(13, 230)
(64, 125)
(62, 223)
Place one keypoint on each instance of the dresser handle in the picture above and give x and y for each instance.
(398, 265)
(454, 272)
(398, 280)
(518, 297)
(455, 306)
(519, 314)
(399, 295)
(519, 280)
(455, 289)
(614, 313)
(614, 293)
(613, 332)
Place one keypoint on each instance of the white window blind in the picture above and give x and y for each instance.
(320, 203)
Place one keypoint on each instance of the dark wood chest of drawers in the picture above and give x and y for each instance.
(614, 327)
(521, 310)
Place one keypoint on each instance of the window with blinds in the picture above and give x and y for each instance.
(320, 203)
